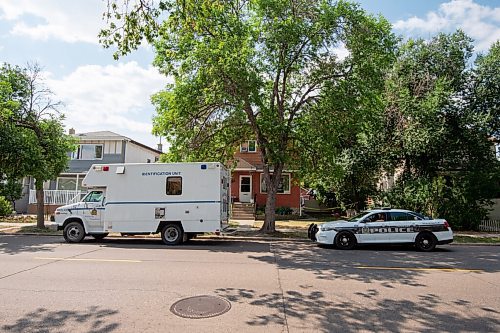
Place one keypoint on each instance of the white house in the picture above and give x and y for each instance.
(93, 147)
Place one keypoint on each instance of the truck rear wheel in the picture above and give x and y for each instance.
(74, 232)
(172, 234)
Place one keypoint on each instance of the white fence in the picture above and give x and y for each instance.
(57, 197)
(490, 225)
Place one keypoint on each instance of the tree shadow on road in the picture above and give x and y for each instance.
(305, 310)
(93, 320)
(387, 265)
(19, 244)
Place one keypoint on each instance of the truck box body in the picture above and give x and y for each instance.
(139, 197)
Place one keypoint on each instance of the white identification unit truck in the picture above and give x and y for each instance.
(178, 200)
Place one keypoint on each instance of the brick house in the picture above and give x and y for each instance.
(248, 188)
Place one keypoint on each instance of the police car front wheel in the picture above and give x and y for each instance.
(345, 240)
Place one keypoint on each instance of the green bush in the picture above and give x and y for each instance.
(461, 200)
(284, 211)
(5, 207)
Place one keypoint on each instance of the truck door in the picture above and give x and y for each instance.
(93, 210)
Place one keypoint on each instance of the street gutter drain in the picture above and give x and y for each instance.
(198, 307)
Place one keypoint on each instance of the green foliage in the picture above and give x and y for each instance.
(32, 139)
(11, 189)
(5, 207)
(436, 134)
(263, 69)
(284, 210)
(484, 96)
(461, 199)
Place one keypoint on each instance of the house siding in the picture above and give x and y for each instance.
(115, 150)
(291, 200)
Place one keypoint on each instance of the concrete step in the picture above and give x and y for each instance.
(242, 214)
(240, 217)
(243, 210)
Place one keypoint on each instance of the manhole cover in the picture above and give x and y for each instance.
(200, 307)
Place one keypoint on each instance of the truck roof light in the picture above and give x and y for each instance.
(105, 168)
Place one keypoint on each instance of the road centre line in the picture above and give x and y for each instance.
(89, 259)
(442, 269)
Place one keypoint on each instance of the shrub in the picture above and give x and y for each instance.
(462, 201)
(5, 207)
(284, 211)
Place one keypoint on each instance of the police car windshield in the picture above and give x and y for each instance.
(355, 218)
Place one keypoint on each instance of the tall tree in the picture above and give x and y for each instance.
(484, 96)
(251, 68)
(436, 138)
(33, 140)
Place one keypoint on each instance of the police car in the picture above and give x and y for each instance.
(383, 226)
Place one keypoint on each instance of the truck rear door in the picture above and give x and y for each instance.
(224, 195)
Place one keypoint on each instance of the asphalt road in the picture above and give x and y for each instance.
(129, 285)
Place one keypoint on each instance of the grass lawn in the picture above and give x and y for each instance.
(34, 229)
(18, 219)
(475, 239)
(291, 224)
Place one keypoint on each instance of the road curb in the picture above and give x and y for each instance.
(236, 238)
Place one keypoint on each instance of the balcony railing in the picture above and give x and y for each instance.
(57, 197)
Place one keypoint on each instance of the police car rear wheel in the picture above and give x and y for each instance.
(172, 234)
(345, 240)
(425, 241)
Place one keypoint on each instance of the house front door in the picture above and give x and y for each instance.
(245, 188)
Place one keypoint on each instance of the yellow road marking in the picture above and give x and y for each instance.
(442, 269)
(83, 259)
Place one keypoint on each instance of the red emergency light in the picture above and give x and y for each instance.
(105, 168)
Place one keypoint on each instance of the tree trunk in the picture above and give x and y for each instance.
(272, 183)
(40, 218)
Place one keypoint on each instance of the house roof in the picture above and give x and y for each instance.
(242, 164)
(108, 135)
(101, 135)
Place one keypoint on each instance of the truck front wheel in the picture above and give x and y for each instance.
(74, 232)
(172, 234)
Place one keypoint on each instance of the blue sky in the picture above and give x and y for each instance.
(100, 93)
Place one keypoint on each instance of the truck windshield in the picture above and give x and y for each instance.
(94, 196)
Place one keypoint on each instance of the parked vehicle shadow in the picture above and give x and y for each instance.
(212, 245)
(429, 313)
(93, 319)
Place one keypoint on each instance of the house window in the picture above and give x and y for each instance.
(283, 186)
(174, 185)
(249, 146)
(70, 183)
(66, 183)
(88, 152)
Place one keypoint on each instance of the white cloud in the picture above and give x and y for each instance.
(341, 52)
(69, 21)
(113, 97)
(482, 23)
